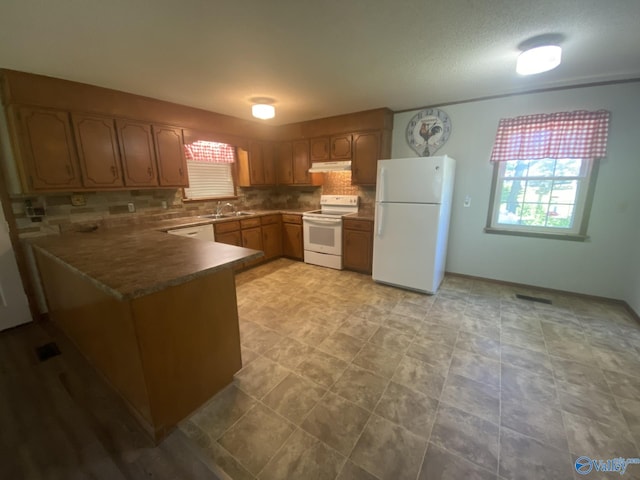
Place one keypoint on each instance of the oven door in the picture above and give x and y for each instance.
(322, 235)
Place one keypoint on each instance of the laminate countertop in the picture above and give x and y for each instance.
(131, 262)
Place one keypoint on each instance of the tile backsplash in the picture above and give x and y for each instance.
(110, 209)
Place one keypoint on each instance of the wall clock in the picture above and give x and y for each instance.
(428, 130)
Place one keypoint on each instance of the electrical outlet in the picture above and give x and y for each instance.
(78, 200)
(164, 204)
(131, 207)
(467, 201)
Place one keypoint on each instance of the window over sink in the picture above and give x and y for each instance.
(210, 170)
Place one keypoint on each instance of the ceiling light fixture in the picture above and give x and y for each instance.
(539, 59)
(262, 108)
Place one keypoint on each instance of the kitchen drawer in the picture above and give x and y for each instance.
(362, 225)
(270, 219)
(289, 218)
(224, 227)
(250, 222)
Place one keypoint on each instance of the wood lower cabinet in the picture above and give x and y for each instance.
(271, 236)
(138, 153)
(251, 233)
(172, 165)
(98, 152)
(357, 245)
(292, 244)
(48, 152)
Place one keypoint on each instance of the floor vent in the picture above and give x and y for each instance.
(46, 351)
(533, 299)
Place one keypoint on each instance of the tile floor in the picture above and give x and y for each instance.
(347, 379)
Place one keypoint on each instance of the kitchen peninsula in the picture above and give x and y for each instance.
(156, 314)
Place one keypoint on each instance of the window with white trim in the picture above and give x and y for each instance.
(544, 173)
(544, 196)
(210, 170)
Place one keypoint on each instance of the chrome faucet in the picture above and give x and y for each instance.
(220, 208)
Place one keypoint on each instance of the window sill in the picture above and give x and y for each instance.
(572, 237)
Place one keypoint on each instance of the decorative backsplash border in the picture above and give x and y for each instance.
(110, 209)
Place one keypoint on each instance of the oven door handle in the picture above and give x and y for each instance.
(319, 221)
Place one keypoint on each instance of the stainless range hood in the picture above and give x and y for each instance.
(320, 167)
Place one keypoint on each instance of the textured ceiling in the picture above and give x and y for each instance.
(316, 59)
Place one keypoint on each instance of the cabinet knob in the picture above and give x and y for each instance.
(150, 171)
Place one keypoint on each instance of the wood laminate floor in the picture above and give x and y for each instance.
(58, 420)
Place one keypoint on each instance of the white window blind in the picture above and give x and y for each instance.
(209, 180)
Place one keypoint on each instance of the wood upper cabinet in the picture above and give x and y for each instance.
(324, 149)
(320, 149)
(284, 163)
(98, 152)
(48, 152)
(357, 245)
(260, 165)
(292, 245)
(367, 150)
(293, 164)
(138, 153)
(301, 163)
(341, 147)
(172, 165)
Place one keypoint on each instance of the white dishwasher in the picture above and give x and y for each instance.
(203, 232)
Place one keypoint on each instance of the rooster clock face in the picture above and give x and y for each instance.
(428, 130)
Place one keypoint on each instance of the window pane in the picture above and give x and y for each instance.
(538, 191)
(542, 168)
(568, 168)
(560, 216)
(565, 191)
(509, 215)
(534, 214)
(516, 168)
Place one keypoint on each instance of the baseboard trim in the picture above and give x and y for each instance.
(613, 301)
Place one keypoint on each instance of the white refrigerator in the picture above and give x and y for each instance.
(413, 208)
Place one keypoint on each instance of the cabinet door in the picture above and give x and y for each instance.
(49, 152)
(301, 175)
(364, 164)
(252, 238)
(138, 155)
(262, 165)
(292, 241)
(272, 240)
(269, 163)
(341, 147)
(230, 238)
(98, 151)
(319, 149)
(172, 166)
(284, 161)
(357, 251)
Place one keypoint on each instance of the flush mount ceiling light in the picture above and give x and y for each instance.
(539, 54)
(262, 108)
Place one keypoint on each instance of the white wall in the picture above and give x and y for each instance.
(605, 265)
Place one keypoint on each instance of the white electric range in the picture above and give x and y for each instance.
(322, 230)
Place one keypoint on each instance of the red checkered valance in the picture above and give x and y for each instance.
(210, 152)
(578, 134)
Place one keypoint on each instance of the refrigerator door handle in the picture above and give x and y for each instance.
(379, 219)
(383, 175)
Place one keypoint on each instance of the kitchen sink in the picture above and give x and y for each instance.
(227, 215)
